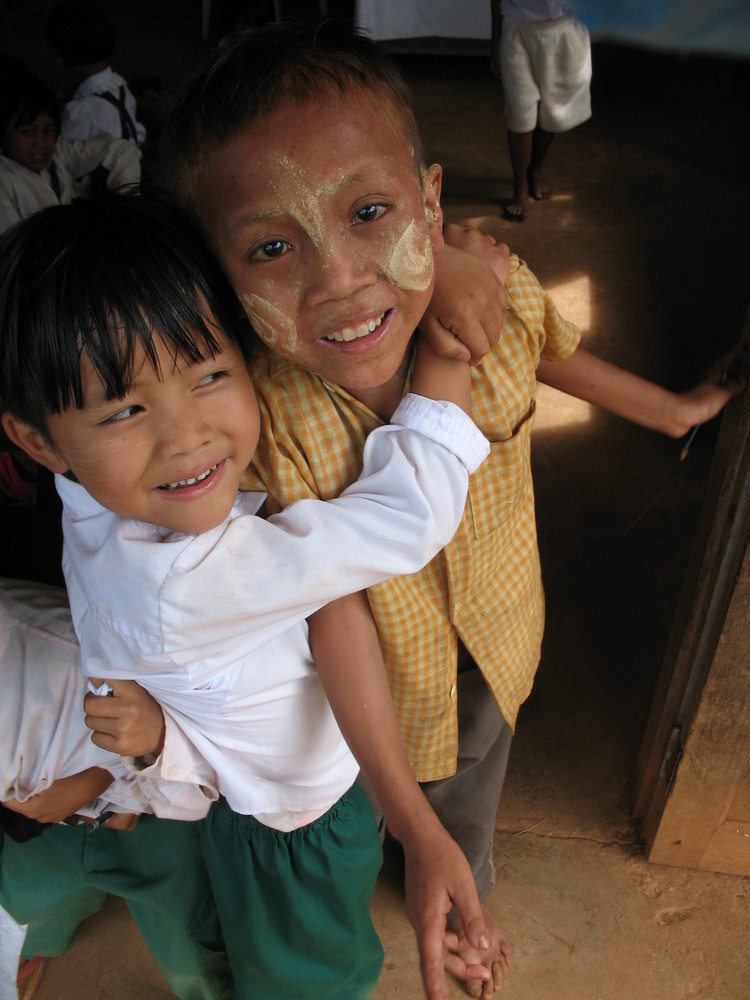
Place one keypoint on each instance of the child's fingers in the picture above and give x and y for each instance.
(122, 821)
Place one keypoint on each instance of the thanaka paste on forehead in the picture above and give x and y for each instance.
(307, 208)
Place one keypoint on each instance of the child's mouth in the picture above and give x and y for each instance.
(183, 483)
(356, 332)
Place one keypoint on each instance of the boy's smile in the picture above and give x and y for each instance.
(172, 451)
(326, 232)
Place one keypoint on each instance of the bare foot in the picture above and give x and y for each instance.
(496, 958)
(538, 190)
(515, 210)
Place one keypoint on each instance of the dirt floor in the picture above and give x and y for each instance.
(645, 247)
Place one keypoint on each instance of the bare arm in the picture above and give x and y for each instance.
(590, 378)
(349, 661)
(64, 797)
(441, 377)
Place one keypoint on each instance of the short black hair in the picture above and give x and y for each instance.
(99, 278)
(81, 32)
(254, 72)
(24, 97)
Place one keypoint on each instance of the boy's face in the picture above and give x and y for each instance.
(327, 233)
(172, 451)
(31, 145)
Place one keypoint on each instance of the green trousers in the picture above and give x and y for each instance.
(57, 879)
(295, 907)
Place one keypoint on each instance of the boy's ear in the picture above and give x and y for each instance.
(34, 443)
(432, 183)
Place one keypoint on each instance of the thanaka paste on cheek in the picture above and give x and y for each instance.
(410, 265)
(272, 325)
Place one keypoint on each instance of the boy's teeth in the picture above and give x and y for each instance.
(354, 333)
(189, 482)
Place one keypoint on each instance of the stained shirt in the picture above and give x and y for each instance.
(214, 625)
(485, 587)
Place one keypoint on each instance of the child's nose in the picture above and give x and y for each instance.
(184, 432)
(342, 269)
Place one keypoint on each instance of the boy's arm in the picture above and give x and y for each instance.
(348, 659)
(465, 313)
(64, 797)
(590, 378)
(440, 377)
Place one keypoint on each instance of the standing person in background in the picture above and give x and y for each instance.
(102, 105)
(543, 56)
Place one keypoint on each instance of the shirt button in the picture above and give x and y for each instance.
(452, 694)
(173, 771)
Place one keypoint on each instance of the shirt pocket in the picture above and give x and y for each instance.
(503, 480)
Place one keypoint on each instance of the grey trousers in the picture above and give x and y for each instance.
(467, 802)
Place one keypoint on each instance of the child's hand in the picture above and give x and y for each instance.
(465, 314)
(64, 797)
(724, 381)
(122, 821)
(128, 721)
(438, 878)
(481, 245)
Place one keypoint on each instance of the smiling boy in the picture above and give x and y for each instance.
(142, 405)
(297, 151)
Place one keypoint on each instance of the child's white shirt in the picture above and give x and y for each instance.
(41, 712)
(214, 625)
(87, 116)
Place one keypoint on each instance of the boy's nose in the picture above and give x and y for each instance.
(184, 433)
(342, 269)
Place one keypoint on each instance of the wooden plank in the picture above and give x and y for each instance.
(693, 831)
(721, 541)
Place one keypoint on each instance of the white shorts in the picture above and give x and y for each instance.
(546, 73)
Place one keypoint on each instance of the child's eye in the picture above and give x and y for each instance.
(127, 411)
(212, 377)
(270, 250)
(369, 213)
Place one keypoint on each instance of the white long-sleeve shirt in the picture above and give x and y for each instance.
(41, 712)
(214, 625)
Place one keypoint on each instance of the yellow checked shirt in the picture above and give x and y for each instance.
(485, 586)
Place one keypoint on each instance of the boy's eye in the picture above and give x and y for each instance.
(127, 411)
(212, 377)
(369, 213)
(270, 250)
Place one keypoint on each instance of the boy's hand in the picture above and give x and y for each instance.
(724, 381)
(465, 314)
(64, 797)
(128, 721)
(482, 245)
(438, 878)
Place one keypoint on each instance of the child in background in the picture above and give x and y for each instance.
(298, 153)
(37, 168)
(543, 57)
(146, 403)
(59, 853)
(102, 104)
